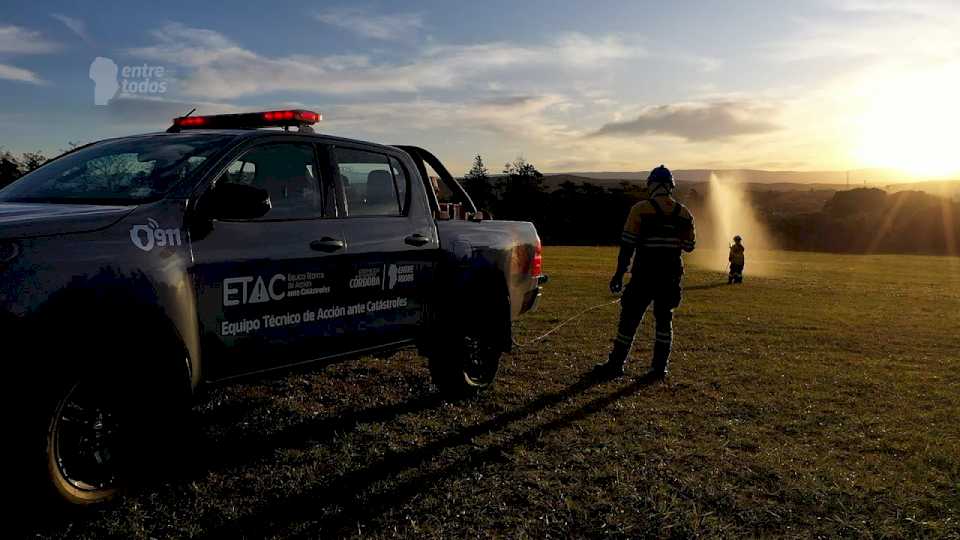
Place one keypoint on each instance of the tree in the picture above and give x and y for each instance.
(9, 168)
(479, 170)
(522, 195)
(521, 167)
(30, 161)
(478, 185)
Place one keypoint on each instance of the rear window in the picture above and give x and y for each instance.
(126, 171)
(369, 183)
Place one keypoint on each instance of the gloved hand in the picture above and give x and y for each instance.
(616, 283)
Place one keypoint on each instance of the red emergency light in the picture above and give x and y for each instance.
(287, 118)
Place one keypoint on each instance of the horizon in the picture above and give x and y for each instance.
(810, 87)
(888, 177)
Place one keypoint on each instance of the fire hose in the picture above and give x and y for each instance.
(564, 323)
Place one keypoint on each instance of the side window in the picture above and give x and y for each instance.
(286, 172)
(444, 194)
(367, 182)
(402, 182)
(241, 172)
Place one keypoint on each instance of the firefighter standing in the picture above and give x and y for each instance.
(736, 261)
(657, 231)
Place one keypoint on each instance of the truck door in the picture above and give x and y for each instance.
(261, 283)
(391, 244)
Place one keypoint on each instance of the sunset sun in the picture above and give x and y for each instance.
(909, 123)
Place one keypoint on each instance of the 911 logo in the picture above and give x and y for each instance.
(146, 237)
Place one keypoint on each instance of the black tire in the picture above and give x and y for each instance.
(86, 448)
(101, 429)
(466, 358)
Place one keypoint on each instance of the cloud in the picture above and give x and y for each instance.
(695, 121)
(76, 26)
(520, 117)
(192, 47)
(390, 27)
(13, 73)
(17, 40)
(915, 7)
(222, 69)
(875, 30)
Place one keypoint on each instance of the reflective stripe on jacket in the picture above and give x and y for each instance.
(660, 228)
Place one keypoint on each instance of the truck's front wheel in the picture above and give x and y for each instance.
(87, 445)
(101, 428)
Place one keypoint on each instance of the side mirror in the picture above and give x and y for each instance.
(230, 201)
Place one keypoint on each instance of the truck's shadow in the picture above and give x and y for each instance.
(344, 499)
(347, 493)
(234, 450)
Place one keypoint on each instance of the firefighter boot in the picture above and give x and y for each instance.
(613, 367)
(661, 361)
(661, 347)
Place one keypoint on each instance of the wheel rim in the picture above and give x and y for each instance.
(479, 366)
(86, 439)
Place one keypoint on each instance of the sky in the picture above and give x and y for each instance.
(570, 86)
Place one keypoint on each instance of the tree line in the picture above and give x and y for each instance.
(571, 213)
(865, 220)
(13, 167)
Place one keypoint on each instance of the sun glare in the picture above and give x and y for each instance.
(910, 122)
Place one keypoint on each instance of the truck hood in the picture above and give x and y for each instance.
(27, 220)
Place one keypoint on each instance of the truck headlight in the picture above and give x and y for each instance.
(8, 251)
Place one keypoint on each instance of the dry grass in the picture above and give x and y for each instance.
(820, 400)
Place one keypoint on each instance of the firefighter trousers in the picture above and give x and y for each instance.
(665, 295)
(736, 273)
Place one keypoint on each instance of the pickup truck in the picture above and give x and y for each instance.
(135, 270)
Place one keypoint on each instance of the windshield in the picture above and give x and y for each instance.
(124, 171)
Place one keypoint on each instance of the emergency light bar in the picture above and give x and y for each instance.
(255, 120)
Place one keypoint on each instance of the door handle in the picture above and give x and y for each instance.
(417, 240)
(327, 245)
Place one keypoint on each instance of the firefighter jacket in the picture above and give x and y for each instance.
(660, 229)
(736, 254)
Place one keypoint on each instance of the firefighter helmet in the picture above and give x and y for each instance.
(661, 176)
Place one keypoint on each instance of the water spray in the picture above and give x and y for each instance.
(729, 213)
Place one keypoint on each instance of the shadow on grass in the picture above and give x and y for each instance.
(706, 286)
(200, 454)
(345, 493)
(241, 449)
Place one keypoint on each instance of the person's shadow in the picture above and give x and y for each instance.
(705, 286)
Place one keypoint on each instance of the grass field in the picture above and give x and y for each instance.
(818, 400)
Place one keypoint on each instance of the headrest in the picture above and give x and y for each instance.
(380, 186)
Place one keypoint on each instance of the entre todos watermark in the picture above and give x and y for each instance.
(109, 79)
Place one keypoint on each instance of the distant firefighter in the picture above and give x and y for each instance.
(737, 260)
(657, 231)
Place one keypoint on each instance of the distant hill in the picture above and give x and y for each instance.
(943, 188)
(763, 181)
(553, 181)
(694, 176)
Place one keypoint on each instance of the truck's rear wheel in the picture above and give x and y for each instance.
(468, 356)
